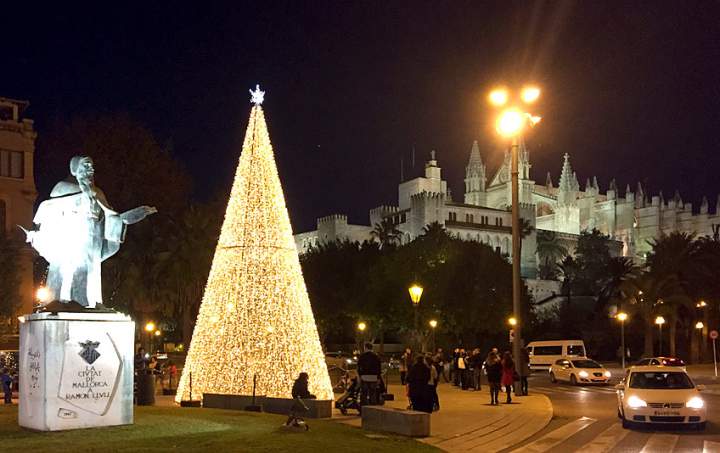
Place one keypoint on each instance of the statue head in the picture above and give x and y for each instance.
(81, 167)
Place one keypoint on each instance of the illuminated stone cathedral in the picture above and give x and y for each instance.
(631, 218)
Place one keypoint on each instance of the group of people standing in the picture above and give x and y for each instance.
(420, 376)
(500, 369)
(463, 369)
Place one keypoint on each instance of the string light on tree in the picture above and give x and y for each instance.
(255, 317)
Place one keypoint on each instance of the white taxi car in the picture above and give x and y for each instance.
(660, 394)
(579, 371)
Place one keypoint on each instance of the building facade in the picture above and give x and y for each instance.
(17, 188)
(631, 220)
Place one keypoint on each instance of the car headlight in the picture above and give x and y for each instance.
(583, 374)
(607, 374)
(695, 403)
(348, 361)
(635, 402)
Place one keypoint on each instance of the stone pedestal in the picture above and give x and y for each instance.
(76, 370)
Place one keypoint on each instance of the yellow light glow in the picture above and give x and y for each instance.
(530, 94)
(361, 326)
(498, 97)
(660, 320)
(699, 325)
(510, 122)
(433, 323)
(149, 327)
(158, 333)
(415, 293)
(622, 316)
(512, 321)
(701, 304)
(42, 294)
(255, 267)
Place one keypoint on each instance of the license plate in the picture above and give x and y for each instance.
(667, 413)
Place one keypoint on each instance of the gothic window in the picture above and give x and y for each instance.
(2, 218)
(403, 218)
(12, 164)
(452, 216)
(469, 218)
(499, 221)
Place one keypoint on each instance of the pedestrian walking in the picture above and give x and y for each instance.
(493, 368)
(405, 364)
(369, 369)
(432, 385)
(6, 380)
(524, 370)
(508, 375)
(475, 362)
(418, 377)
(462, 369)
(454, 372)
(439, 363)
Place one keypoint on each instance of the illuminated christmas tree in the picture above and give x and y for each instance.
(255, 317)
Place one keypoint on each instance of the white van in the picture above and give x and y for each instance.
(544, 353)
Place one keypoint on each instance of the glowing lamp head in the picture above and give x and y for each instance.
(415, 293)
(699, 325)
(701, 304)
(362, 326)
(512, 321)
(498, 97)
(530, 94)
(510, 123)
(433, 323)
(149, 327)
(659, 320)
(622, 316)
(158, 333)
(42, 294)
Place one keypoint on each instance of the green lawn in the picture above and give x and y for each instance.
(195, 429)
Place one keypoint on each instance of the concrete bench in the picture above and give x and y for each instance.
(397, 421)
(318, 408)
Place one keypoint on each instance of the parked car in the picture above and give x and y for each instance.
(662, 395)
(544, 353)
(579, 371)
(661, 361)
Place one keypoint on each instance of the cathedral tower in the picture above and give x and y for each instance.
(475, 179)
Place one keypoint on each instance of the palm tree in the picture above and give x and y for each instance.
(434, 229)
(672, 257)
(550, 252)
(649, 294)
(386, 233)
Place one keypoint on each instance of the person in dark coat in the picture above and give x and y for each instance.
(406, 362)
(508, 374)
(524, 370)
(369, 370)
(418, 378)
(493, 368)
(300, 388)
(6, 381)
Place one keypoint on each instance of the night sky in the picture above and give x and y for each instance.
(630, 90)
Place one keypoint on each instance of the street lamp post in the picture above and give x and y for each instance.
(622, 316)
(361, 326)
(150, 328)
(510, 124)
(415, 295)
(433, 324)
(702, 305)
(660, 321)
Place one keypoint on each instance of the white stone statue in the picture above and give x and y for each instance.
(75, 231)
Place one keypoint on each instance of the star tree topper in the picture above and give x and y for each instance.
(257, 97)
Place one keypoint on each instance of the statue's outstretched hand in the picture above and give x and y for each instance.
(135, 215)
(29, 234)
